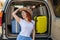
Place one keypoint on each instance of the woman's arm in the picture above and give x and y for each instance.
(33, 34)
(15, 16)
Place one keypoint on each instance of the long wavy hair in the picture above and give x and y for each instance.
(28, 15)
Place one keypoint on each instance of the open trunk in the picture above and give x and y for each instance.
(36, 8)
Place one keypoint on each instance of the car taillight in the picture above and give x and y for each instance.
(1, 13)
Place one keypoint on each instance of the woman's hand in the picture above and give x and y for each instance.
(15, 12)
(15, 16)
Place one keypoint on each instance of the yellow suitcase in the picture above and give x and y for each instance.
(41, 24)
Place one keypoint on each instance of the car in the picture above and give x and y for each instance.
(39, 8)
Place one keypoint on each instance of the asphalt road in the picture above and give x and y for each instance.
(56, 31)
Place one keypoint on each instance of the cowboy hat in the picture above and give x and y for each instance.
(26, 9)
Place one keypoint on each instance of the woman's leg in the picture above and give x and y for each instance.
(27, 38)
(18, 37)
(30, 38)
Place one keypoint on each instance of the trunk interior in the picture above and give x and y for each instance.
(36, 12)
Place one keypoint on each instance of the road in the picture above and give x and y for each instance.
(56, 32)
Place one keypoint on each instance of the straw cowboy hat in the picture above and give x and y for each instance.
(28, 10)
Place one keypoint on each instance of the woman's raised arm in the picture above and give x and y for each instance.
(15, 16)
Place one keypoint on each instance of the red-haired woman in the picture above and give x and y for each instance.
(27, 24)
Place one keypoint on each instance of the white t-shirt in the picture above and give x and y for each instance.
(26, 27)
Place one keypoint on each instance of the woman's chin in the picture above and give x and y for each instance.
(23, 18)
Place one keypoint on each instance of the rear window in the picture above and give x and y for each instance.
(39, 9)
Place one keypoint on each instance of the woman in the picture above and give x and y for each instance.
(27, 24)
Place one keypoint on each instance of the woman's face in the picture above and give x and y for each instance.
(23, 14)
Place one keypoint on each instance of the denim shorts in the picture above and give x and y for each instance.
(19, 37)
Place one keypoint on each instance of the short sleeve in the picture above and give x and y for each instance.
(33, 22)
(21, 21)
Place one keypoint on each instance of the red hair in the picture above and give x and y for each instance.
(28, 15)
